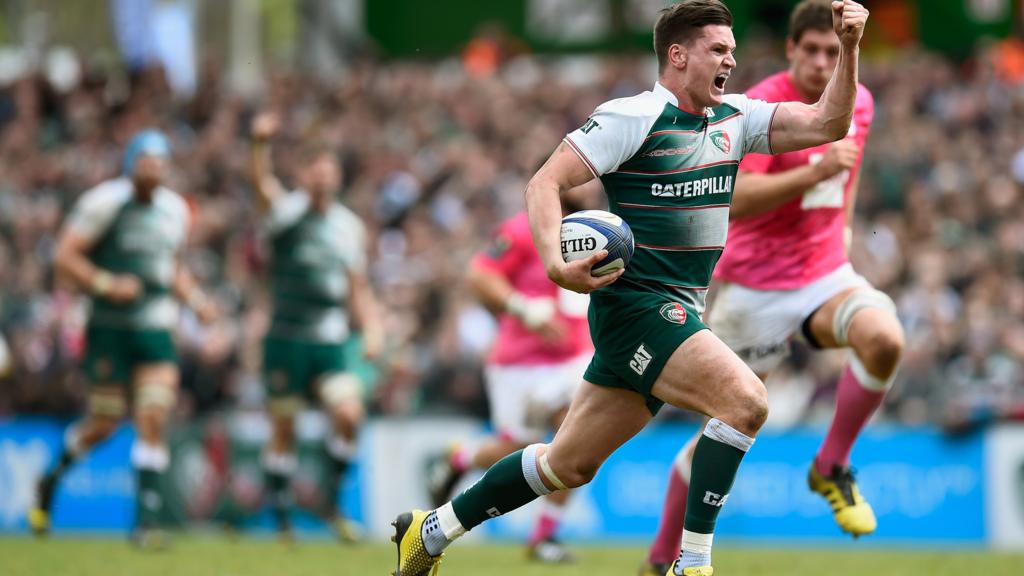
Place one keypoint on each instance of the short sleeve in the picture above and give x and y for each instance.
(285, 211)
(757, 122)
(95, 211)
(358, 256)
(503, 254)
(608, 138)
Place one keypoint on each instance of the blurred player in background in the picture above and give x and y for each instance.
(785, 274)
(318, 277)
(538, 358)
(667, 158)
(123, 243)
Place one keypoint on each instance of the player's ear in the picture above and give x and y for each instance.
(677, 56)
(790, 49)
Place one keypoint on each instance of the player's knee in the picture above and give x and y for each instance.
(282, 430)
(751, 407)
(881, 351)
(99, 429)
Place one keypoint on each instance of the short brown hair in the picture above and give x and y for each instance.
(680, 23)
(810, 15)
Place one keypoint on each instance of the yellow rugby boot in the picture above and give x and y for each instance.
(692, 571)
(413, 558)
(851, 511)
(39, 521)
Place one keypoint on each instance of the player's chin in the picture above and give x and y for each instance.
(715, 96)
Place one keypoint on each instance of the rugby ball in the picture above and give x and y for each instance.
(588, 231)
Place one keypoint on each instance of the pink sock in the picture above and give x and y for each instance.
(856, 401)
(547, 523)
(665, 548)
(462, 459)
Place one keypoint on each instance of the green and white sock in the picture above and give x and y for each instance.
(340, 454)
(278, 469)
(716, 459)
(150, 462)
(512, 482)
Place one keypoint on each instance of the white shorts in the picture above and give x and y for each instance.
(758, 325)
(523, 398)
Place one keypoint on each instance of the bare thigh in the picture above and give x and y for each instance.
(704, 375)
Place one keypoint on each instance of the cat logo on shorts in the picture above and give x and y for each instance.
(674, 313)
(641, 358)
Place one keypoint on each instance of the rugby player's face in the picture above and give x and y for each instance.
(812, 60)
(149, 171)
(323, 175)
(709, 62)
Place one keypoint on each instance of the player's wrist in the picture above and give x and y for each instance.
(532, 312)
(101, 283)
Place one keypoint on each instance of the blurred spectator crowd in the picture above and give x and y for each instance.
(435, 156)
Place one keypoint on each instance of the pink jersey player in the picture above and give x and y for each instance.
(802, 240)
(513, 256)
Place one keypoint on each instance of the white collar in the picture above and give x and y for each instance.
(665, 93)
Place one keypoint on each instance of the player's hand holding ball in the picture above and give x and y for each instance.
(848, 19)
(596, 247)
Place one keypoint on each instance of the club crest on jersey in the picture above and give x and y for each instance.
(722, 141)
(674, 313)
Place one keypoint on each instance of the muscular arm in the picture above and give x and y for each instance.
(491, 288)
(367, 314)
(757, 193)
(268, 188)
(562, 171)
(797, 125)
(72, 263)
(187, 290)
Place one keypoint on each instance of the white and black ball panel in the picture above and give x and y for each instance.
(588, 231)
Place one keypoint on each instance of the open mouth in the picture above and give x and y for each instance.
(720, 80)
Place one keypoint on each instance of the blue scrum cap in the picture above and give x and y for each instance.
(145, 143)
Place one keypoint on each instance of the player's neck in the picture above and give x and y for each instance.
(321, 202)
(143, 194)
(806, 96)
(683, 100)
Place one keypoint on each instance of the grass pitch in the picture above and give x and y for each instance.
(216, 556)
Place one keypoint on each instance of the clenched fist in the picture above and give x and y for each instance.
(848, 19)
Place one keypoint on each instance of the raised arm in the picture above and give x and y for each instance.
(796, 125)
(562, 171)
(367, 313)
(268, 188)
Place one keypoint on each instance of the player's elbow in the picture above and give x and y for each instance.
(836, 128)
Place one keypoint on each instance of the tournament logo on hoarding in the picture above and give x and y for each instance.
(674, 313)
(721, 140)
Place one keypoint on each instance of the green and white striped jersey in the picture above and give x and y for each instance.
(138, 238)
(670, 175)
(312, 255)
